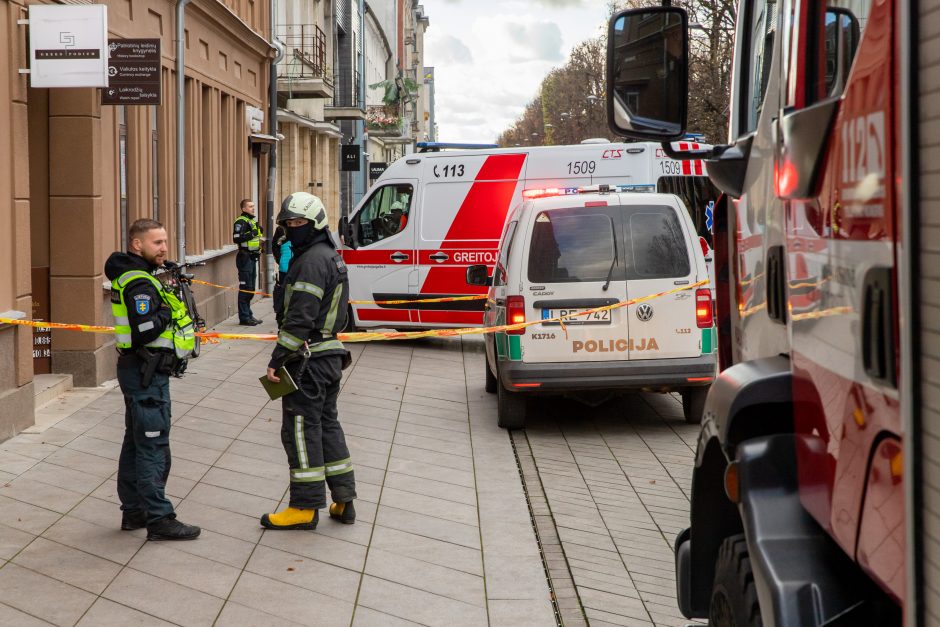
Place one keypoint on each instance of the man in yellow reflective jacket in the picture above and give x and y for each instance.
(153, 332)
(247, 234)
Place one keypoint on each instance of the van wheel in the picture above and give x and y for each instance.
(734, 595)
(490, 377)
(510, 408)
(693, 404)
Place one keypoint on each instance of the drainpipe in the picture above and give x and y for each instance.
(360, 124)
(181, 130)
(272, 156)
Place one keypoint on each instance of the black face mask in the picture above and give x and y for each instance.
(299, 235)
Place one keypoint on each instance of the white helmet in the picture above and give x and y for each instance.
(306, 206)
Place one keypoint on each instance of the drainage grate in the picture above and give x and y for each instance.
(565, 599)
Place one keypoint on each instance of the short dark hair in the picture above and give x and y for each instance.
(244, 202)
(139, 227)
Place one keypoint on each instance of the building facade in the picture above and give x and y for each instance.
(75, 173)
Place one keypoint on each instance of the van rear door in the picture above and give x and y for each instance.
(573, 252)
(661, 257)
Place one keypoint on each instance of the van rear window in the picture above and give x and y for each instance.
(571, 248)
(659, 247)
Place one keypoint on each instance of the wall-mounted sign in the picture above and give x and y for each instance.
(134, 72)
(350, 158)
(255, 118)
(376, 168)
(68, 45)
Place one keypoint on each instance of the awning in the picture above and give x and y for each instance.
(261, 138)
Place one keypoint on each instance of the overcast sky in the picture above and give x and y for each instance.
(491, 55)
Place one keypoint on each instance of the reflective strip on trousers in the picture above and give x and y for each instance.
(299, 443)
(307, 475)
(339, 468)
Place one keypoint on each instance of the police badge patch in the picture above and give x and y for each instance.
(142, 304)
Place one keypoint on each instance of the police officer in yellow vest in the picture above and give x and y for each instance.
(247, 234)
(154, 335)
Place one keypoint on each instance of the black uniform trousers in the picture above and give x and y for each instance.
(313, 438)
(144, 464)
(247, 266)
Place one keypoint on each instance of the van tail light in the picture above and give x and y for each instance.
(703, 308)
(515, 313)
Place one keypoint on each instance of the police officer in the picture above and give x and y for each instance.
(247, 234)
(154, 335)
(316, 293)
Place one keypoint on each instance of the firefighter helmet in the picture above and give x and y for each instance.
(306, 206)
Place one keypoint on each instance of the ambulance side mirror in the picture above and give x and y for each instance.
(479, 275)
(347, 232)
(647, 73)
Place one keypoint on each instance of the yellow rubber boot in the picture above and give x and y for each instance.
(343, 512)
(291, 518)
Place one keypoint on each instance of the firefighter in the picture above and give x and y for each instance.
(316, 293)
(247, 234)
(154, 333)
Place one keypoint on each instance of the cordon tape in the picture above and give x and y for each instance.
(371, 336)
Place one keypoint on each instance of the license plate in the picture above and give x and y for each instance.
(595, 317)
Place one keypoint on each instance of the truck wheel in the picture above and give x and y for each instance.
(510, 408)
(734, 596)
(693, 404)
(490, 377)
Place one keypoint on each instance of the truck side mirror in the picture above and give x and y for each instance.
(479, 275)
(647, 73)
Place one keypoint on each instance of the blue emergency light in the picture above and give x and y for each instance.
(439, 146)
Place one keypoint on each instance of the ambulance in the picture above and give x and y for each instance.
(432, 214)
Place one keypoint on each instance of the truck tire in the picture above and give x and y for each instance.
(510, 408)
(693, 404)
(490, 377)
(734, 595)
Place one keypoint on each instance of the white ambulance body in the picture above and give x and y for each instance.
(431, 215)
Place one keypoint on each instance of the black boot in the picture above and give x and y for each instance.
(343, 512)
(172, 529)
(133, 519)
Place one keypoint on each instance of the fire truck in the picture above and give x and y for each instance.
(816, 489)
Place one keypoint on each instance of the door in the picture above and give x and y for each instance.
(574, 261)
(383, 261)
(659, 247)
(464, 208)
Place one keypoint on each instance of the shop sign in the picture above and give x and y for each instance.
(350, 158)
(376, 168)
(68, 45)
(134, 72)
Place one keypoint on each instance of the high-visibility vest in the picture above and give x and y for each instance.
(178, 336)
(254, 244)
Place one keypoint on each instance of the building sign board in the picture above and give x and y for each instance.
(350, 158)
(376, 168)
(134, 72)
(68, 45)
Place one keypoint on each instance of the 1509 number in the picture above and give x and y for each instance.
(582, 167)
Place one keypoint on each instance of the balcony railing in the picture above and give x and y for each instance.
(383, 119)
(347, 91)
(305, 55)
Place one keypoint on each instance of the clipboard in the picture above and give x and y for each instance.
(283, 388)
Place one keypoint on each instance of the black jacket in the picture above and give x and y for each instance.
(241, 231)
(142, 292)
(309, 316)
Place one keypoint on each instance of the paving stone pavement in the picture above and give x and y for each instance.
(443, 534)
(617, 483)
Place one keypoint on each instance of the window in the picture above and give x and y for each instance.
(659, 247)
(697, 193)
(122, 172)
(505, 249)
(842, 27)
(758, 53)
(385, 214)
(569, 246)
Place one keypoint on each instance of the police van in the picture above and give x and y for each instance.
(431, 215)
(574, 250)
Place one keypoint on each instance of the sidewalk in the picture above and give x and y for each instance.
(443, 534)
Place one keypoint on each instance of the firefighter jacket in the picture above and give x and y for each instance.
(145, 312)
(247, 233)
(316, 299)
